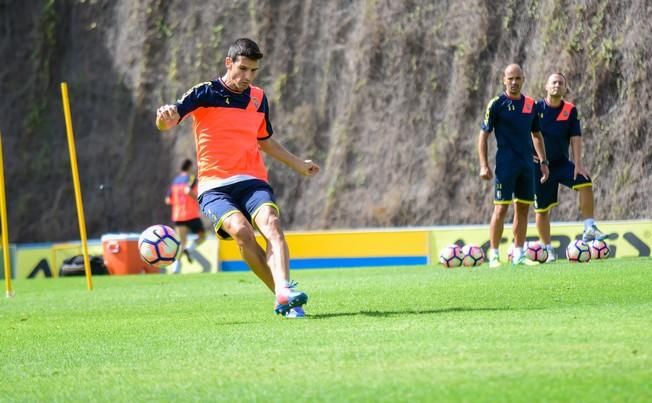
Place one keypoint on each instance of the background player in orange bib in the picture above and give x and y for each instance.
(231, 127)
(182, 198)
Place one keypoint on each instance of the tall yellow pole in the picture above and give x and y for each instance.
(5, 230)
(75, 178)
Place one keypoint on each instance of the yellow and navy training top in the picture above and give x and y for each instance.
(227, 126)
(558, 125)
(513, 121)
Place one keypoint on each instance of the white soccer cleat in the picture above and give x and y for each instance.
(552, 256)
(494, 262)
(593, 234)
(295, 313)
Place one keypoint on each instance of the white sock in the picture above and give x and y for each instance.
(518, 252)
(493, 252)
(283, 289)
(588, 223)
(175, 267)
(550, 248)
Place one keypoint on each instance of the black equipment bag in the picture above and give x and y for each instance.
(74, 266)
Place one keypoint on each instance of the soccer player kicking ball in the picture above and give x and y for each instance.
(231, 125)
(560, 125)
(512, 116)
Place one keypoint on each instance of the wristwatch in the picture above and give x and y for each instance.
(544, 162)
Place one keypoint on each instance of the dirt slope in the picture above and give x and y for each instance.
(387, 96)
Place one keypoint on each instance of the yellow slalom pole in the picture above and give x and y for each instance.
(5, 230)
(75, 178)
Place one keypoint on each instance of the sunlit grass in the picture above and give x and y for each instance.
(556, 332)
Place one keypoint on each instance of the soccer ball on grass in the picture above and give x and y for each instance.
(578, 252)
(536, 251)
(451, 256)
(158, 245)
(599, 249)
(472, 255)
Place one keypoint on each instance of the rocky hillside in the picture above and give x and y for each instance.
(386, 95)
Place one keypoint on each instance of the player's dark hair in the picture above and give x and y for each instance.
(186, 165)
(244, 47)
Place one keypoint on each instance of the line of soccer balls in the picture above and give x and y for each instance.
(473, 255)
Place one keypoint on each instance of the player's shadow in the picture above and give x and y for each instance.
(388, 314)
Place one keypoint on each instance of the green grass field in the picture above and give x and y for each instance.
(556, 332)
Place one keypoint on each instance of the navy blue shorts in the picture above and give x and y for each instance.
(514, 183)
(246, 197)
(195, 225)
(561, 172)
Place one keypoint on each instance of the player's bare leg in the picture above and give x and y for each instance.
(496, 228)
(201, 237)
(497, 224)
(182, 234)
(278, 254)
(520, 230)
(543, 227)
(586, 202)
(520, 223)
(243, 234)
(289, 301)
(591, 230)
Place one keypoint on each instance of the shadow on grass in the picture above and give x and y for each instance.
(387, 314)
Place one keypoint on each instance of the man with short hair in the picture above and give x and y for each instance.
(512, 116)
(560, 125)
(182, 198)
(231, 125)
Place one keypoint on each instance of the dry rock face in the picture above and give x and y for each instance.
(387, 96)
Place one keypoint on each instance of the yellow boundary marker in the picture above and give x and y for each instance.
(5, 227)
(75, 178)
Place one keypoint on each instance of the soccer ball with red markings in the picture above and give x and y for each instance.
(472, 255)
(158, 245)
(578, 252)
(451, 256)
(599, 249)
(536, 251)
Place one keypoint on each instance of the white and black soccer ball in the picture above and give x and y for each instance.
(158, 245)
(578, 252)
(536, 251)
(451, 256)
(472, 255)
(599, 249)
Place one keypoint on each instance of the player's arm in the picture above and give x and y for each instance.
(485, 171)
(576, 146)
(540, 149)
(486, 128)
(191, 188)
(167, 116)
(168, 197)
(275, 150)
